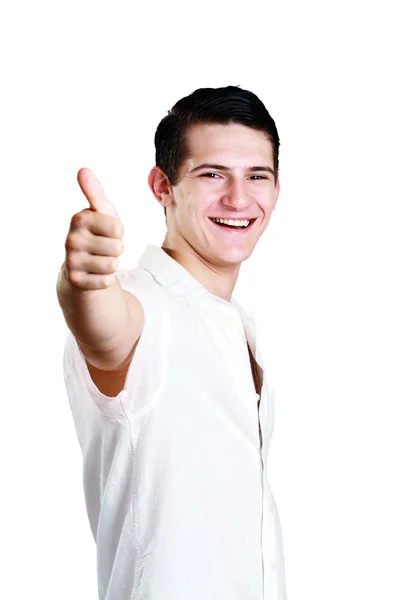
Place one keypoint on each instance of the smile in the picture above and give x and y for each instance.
(233, 223)
(233, 229)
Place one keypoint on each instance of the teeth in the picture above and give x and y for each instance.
(232, 223)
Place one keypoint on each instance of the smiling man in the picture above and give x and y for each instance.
(166, 384)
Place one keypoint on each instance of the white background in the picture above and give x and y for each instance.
(85, 84)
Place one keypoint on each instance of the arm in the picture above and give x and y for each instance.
(106, 320)
(106, 323)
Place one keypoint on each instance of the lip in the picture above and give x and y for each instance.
(233, 232)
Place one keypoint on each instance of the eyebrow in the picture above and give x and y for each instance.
(223, 168)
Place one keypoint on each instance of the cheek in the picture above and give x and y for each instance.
(267, 202)
(195, 201)
(199, 202)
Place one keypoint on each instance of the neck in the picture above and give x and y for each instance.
(219, 279)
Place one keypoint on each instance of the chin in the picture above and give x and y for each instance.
(232, 256)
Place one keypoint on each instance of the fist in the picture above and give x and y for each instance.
(94, 241)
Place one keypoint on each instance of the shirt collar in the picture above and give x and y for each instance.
(171, 274)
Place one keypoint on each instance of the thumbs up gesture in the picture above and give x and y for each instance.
(94, 240)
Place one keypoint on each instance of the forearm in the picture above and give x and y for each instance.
(99, 319)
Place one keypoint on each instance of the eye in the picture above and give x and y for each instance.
(258, 177)
(210, 175)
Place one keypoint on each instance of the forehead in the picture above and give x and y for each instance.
(231, 141)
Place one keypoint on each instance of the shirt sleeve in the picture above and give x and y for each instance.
(145, 371)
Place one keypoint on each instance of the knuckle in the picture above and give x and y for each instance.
(110, 280)
(78, 219)
(100, 283)
(105, 281)
(73, 242)
(75, 278)
(71, 261)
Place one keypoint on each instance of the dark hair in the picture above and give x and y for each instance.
(227, 105)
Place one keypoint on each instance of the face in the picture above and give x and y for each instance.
(228, 174)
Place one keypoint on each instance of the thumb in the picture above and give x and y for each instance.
(94, 193)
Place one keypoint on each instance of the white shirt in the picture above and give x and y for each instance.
(174, 469)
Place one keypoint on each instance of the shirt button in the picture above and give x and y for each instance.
(273, 565)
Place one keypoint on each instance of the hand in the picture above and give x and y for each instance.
(94, 240)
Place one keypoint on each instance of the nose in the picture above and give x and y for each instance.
(235, 195)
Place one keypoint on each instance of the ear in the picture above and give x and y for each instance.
(160, 186)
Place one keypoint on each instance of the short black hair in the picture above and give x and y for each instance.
(223, 105)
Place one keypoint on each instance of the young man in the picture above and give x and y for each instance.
(167, 388)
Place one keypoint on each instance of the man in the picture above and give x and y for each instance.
(166, 385)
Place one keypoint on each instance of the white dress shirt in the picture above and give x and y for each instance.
(174, 467)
